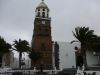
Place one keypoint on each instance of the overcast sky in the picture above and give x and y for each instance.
(17, 17)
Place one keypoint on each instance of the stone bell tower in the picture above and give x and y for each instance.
(42, 39)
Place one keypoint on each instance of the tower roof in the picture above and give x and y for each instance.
(42, 5)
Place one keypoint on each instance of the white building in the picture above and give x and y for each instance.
(27, 62)
(67, 55)
(8, 60)
(92, 60)
(16, 62)
(68, 58)
(25, 59)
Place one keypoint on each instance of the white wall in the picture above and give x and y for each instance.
(27, 63)
(67, 54)
(91, 59)
(16, 63)
(8, 60)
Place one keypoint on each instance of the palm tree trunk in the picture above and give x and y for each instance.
(83, 51)
(20, 57)
(85, 60)
(1, 61)
(1, 58)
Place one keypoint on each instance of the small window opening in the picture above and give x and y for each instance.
(43, 14)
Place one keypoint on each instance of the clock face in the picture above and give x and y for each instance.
(43, 22)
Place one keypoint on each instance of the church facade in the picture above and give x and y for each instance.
(42, 39)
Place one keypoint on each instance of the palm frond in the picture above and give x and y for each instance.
(74, 41)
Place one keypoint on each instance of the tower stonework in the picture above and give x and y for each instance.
(42, 39)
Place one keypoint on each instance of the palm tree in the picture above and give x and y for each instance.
(85, 36)
(34, 55)
(4, 48)
(21, 46)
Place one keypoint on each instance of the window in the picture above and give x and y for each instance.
(43, 14)
(38, 14)
(43, 9)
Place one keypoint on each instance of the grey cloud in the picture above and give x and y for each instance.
(17, 17)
